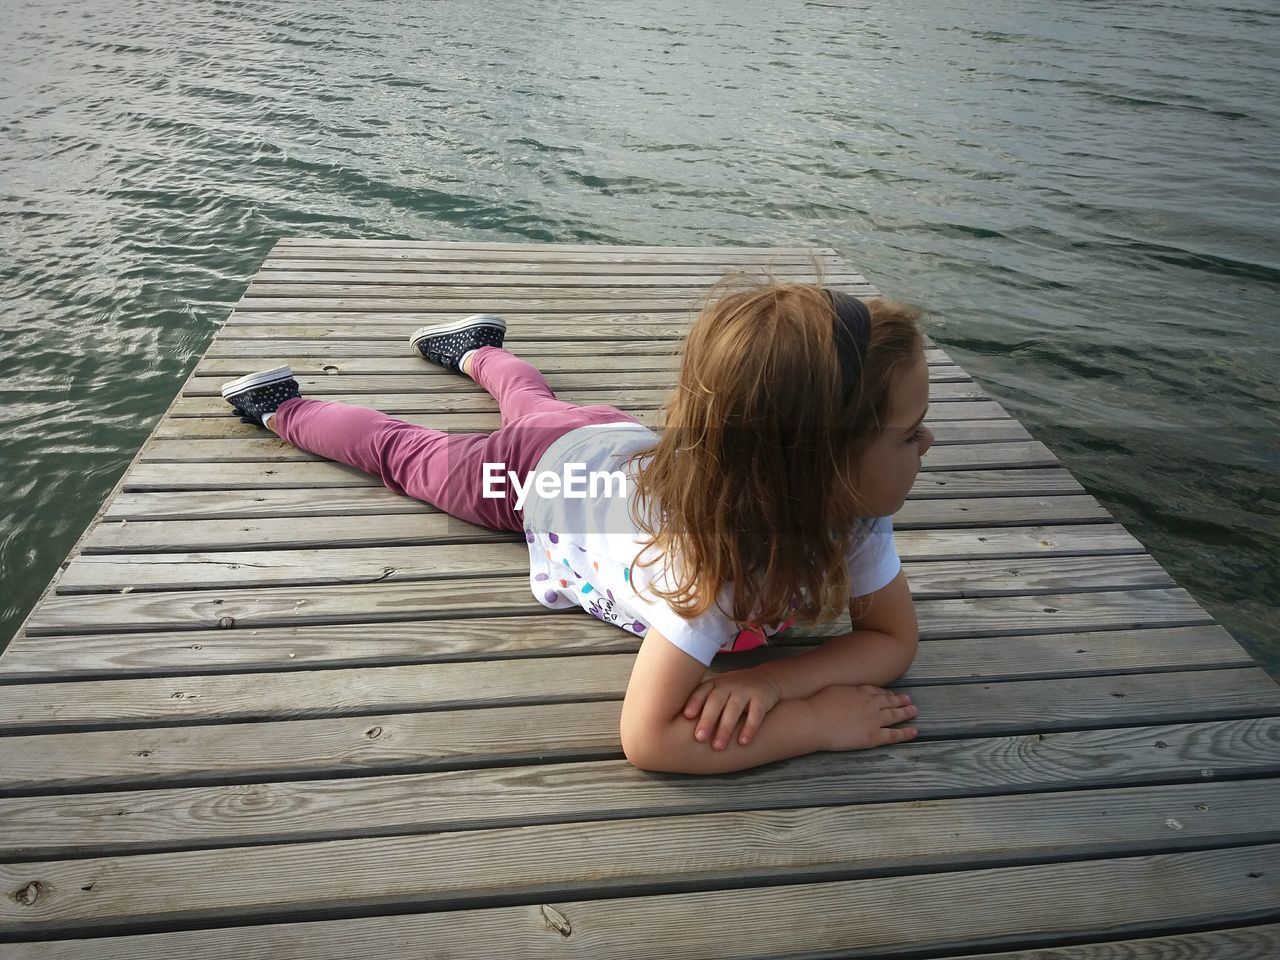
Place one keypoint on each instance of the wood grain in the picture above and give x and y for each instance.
(130, 821)
(1075, 900)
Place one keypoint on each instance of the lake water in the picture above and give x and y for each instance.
(1083, 194)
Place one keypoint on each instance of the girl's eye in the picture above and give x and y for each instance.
(917, 436)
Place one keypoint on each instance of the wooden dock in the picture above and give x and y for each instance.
(257, 715)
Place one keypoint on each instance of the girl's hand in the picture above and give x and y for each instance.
(724, 698)
(862, 716)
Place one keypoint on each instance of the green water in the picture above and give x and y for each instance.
(1083, 194)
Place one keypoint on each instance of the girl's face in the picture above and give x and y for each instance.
(890, 465)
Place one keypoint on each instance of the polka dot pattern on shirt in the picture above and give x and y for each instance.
(575, 589)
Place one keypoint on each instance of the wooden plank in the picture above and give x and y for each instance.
(201, 609)
(290, 647)
(1240, 943)
(436, 527)
(388, 336)
(293, 648)
(325, 362)
(523, 324)
(524, 249)
(676, 295)
(321, 326)
(119, 704)
(391, 339)
(244, 477)
(510, 596)
(501, 300)
(265, 503)
(118, 822)
(276, 281)
(297, 694)
(532, 864)
(391, 601)
(1046, 572)
(1040, 904)
(257, 341)
(448, 739)
(783, 268)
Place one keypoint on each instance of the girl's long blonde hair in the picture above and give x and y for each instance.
(753, 479)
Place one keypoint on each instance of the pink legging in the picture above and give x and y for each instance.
(445, 469)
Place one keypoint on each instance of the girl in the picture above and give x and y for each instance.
(795, 431)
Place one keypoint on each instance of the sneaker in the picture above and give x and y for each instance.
(257, 394)
(445, 343)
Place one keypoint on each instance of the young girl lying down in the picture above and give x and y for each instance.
(794, 433)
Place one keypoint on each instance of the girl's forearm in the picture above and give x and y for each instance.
(791, 729)
(864, 656)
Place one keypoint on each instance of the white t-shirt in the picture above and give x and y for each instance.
(581, 548)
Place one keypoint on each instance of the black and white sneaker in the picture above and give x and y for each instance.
(257, 394)
(445, 343)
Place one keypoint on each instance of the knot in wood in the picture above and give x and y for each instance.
(557, 920)
(226, 623)
(373, 733)
(28, 895)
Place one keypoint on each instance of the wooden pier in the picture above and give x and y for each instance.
(260, 714)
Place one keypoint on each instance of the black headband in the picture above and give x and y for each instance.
(852, 336)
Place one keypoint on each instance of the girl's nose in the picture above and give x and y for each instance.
(926, 440)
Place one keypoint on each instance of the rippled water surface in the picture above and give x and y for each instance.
(1083, 194)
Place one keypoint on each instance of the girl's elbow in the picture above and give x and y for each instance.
(909, 645)
(646, 747)
(642, 755)
(638, 744)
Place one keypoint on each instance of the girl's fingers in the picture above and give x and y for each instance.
(892, 715)
(894, 700)
(728, 720)
(755, 716)
(710, 714)
(696, 699)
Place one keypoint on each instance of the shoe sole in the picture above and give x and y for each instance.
(260, 379)
(439, 329)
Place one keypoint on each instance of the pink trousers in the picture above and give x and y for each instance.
(445, 469)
